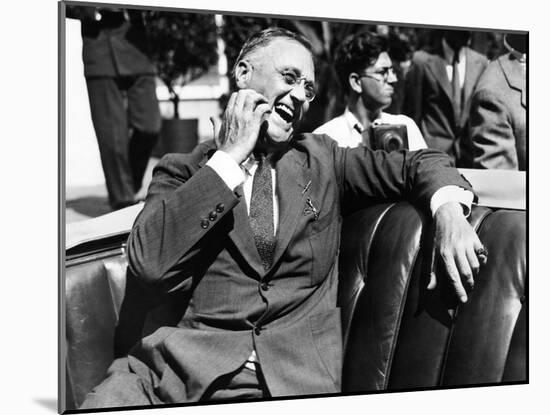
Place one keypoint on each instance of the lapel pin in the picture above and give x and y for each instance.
(306, 187)
(311, 209)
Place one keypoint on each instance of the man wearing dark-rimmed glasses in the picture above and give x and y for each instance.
(365, 71)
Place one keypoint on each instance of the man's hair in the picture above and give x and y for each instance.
(356, 53)
(266, 36)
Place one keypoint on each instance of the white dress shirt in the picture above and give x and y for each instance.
(345, 129)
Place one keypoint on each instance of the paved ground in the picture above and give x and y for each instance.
(84, 202)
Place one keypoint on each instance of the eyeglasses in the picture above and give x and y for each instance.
(292, 80)
(380, 75)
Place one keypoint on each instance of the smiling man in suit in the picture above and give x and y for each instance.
(438, 89)
(248, 228)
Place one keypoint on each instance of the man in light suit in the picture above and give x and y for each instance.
(499, 111)
(438, 89)
(247, 228)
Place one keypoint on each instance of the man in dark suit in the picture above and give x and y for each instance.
(498, 128)
(247, 228)
(438, 89)
(121, 90)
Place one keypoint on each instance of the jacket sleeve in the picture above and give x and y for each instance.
(491, 132)
(368, 176)
(174, 226)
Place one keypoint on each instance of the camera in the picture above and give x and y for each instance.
(388, 137)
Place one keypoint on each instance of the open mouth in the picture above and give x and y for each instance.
(285, 112)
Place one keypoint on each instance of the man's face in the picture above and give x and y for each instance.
(377, 83)
(273, 66)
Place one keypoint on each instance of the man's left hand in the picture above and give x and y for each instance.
(457, 245)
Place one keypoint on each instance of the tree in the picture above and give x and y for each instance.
(183, 47)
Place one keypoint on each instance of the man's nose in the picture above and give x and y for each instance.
(298, 91)
(392, 77)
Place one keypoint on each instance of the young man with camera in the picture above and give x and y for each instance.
(365, 71)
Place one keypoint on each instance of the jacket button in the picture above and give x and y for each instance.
(220, 207)
(205, 223)
(212, 216)
(264, 286)
(257, 331)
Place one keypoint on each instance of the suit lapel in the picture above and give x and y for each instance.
(292, 179)
(242, 235)
(437, 66)
(515, 77)
(474, 66)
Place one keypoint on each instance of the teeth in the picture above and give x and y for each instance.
(285, 109)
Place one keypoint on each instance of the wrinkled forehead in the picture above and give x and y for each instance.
(282, 53)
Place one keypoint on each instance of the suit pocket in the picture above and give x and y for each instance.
(326, 331)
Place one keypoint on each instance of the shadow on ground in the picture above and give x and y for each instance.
(47, 403)
(91, 206)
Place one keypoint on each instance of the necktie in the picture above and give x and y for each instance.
(457, 91)
(261, 212)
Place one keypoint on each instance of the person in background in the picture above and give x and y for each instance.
(438, 89)
(122, 92)
(365, 70)
(499, 108)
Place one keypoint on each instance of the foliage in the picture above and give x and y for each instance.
(183, 46)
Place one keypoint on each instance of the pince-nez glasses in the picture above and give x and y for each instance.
(292, 80)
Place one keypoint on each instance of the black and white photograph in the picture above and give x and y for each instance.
(262, 207)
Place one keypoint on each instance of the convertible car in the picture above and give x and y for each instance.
(397, 335)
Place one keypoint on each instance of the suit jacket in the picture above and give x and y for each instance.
(113, 46)
(428, 99)
(193, 238)
(498, 117)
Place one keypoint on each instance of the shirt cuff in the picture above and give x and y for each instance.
(227, 168)
(452, 194)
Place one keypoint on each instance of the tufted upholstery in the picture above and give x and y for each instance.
(397, 335)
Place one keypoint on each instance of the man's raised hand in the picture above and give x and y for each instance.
(241, 123)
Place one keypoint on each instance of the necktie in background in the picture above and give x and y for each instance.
(457, 91)
(261, 212)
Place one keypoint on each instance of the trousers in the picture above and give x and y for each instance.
(126, 118)
(123, 388)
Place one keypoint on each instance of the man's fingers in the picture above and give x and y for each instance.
(465, 270)
(251, 100)
(433, 277)
(473, 260)
(480, 252)
(454, 276)
(433, 281)
(231, 102)
(215, 130)
(263, 109)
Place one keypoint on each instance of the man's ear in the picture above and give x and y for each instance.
(243, 72)
(354, 81)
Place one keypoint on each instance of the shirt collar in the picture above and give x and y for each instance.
(249, 165)
(352, 121)
(354, 124)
